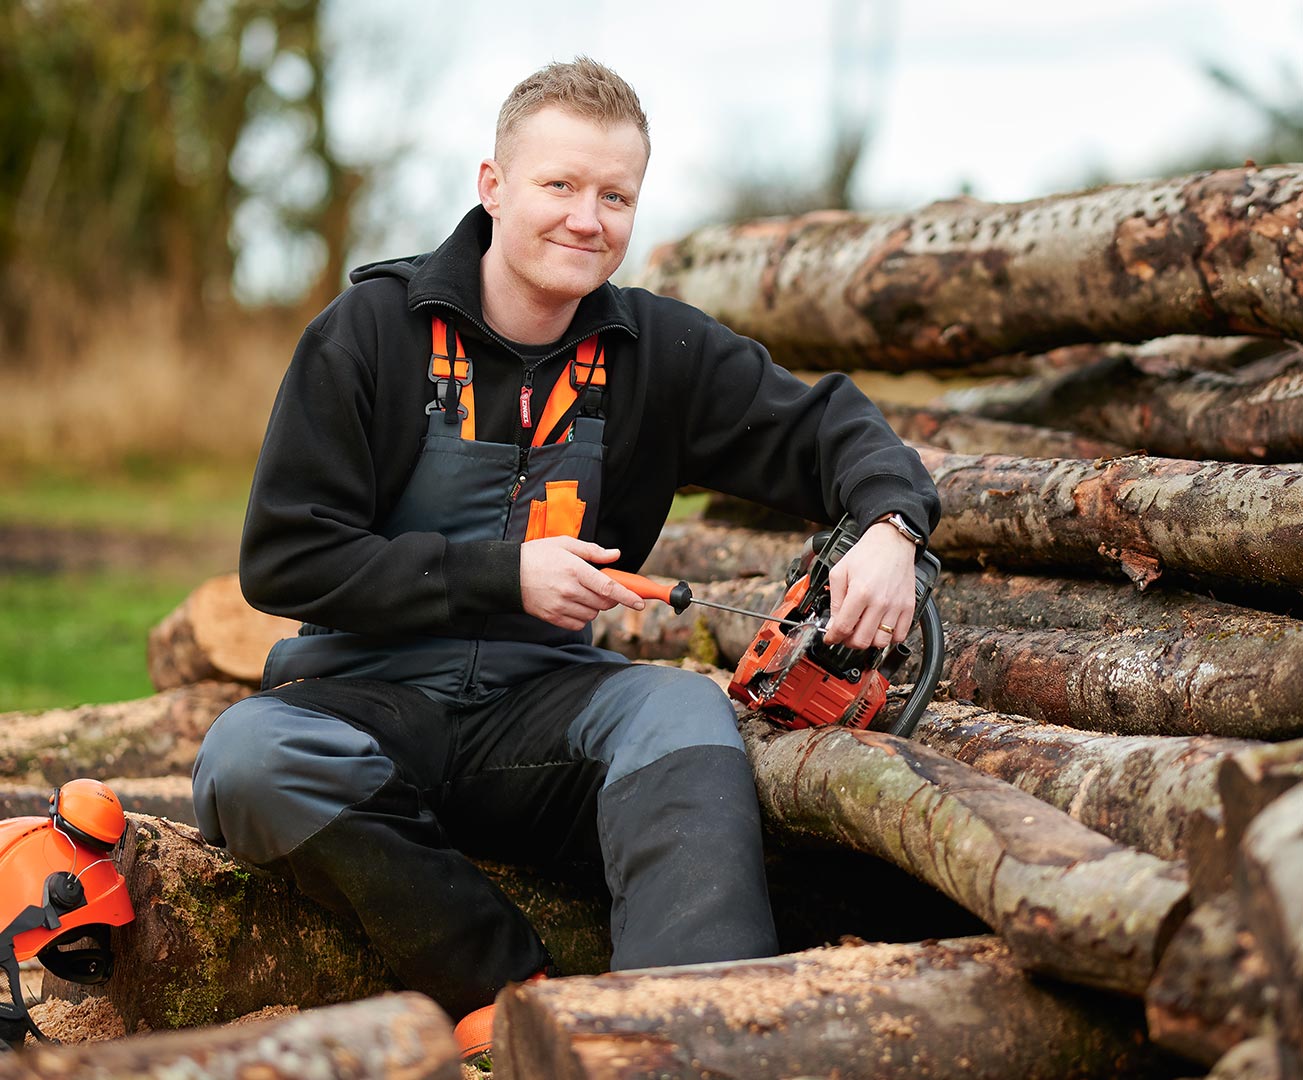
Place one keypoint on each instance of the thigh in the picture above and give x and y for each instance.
(517, 789)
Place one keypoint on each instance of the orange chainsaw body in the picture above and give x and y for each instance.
(778, 676)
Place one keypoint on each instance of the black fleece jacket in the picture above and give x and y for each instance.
(687, 402)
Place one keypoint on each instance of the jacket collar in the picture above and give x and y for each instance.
(450, 276)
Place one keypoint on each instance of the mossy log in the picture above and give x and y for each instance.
(1141, 791)
(1069, 902)
(1212, 988)
(964, 433)
(214, 939)
(214, 634)
(1144, 515)
(400, 1036)
(1254, 413)
(962, 280)
(1201, 678)
(151, 736)
(958, 1009)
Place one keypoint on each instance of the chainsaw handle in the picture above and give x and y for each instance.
(677, 596)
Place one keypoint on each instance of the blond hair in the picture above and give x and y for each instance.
(584, 87)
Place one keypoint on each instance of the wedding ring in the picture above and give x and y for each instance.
(885, 628)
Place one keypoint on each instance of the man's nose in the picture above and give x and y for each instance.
(583, 216)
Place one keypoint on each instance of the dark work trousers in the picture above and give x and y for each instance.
(368, 792)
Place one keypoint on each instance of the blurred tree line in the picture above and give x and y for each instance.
(138, 132)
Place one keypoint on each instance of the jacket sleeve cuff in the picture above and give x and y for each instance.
(877, 496)
(483, 577)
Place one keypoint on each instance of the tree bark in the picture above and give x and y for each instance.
(1211, 990)
(996, 598)
(403, 1036)
(214, 939)
(698, 551)
(1227, 522)
(958, 281)
(964, 433)
(1269, 887)
(1200, 680)
(1137, 790)
(1254, 413)
(214, 634)
(150, 736)
(957, 1008)
(1069, 902)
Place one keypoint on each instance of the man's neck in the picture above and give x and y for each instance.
(516, 313)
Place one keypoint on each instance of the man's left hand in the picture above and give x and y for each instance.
(872, 589)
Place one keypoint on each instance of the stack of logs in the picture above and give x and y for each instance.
(1088, 861)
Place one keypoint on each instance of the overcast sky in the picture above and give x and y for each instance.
(1011, 98)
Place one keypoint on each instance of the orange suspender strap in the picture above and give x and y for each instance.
(585, 371)
(450, 371)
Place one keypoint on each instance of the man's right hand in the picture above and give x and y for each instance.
(560, 585)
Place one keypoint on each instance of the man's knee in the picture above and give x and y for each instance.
(269, 775)
(640, 716)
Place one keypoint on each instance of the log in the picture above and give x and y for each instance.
(1254, 413)
(150, 736)
(1211, 989)
(403, 1036)
(157, 796)
(1269, 887)
(1069, 902)
(1141, 791)
(1203, 679)
(964, 433)
(1262, 1058)
(1211, 253)
(1143, 514)
(214, 939)
(214, 634)
(995, 598)
(697, 551)
(941, 1009)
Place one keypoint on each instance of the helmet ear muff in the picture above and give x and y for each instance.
(94, 817)
(89, 964)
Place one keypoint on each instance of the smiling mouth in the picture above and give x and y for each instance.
(576, 247)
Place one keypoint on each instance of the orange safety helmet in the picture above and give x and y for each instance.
(60, 885)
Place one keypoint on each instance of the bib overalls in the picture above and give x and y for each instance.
(367, 766)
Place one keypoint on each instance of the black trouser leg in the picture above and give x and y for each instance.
(441, 925)
(684, 861)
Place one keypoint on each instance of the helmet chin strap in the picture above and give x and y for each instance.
(15, 1020)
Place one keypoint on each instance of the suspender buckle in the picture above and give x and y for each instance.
(449, 377)
(588, 378)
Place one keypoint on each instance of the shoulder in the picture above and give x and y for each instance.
(663, 319)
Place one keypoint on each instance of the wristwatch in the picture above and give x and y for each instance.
(903, 527)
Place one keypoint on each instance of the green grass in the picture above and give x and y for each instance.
(69, 639)
(79, 636)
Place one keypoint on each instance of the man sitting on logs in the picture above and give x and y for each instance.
(461, 440)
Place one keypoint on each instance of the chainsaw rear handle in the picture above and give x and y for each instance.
(677, 596)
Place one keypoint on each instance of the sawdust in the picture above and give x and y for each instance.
(92, 1020)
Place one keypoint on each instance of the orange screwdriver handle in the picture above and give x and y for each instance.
(677, 596)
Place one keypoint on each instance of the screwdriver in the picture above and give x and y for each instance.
(680, 596)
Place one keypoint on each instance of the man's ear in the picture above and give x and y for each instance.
(489, 185)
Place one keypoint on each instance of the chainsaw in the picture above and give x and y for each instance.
(795, 678)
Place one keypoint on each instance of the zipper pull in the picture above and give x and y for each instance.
(526, 392)
(522, 465)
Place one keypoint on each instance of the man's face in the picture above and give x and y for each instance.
(563, 204)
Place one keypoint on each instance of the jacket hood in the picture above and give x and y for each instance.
(449, 276)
